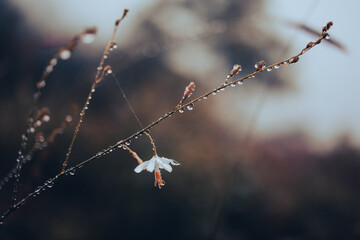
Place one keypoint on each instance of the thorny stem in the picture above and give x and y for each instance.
(98, 77)
(120, 143)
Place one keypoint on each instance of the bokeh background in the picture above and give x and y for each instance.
(275, 158)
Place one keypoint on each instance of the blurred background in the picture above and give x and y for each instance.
(274, 158)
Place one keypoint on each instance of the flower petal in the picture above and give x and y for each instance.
(151, 166)
(169, 161)
(141, 167)
(165, 166)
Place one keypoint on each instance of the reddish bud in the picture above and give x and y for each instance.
(260, 65)
(294, 59)
(329, 24)
(189, 90)
(236, 69)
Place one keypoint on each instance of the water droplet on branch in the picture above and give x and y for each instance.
(190, 107)
(64, 54)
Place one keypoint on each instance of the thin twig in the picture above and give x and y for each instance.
(67, 49)
(98, 77)
(49, 183)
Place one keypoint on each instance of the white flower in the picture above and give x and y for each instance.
(156, 163)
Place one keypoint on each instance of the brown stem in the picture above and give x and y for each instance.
(98, 77)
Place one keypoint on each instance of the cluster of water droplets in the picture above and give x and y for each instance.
(8, 177)
(189, 107)
(22, 159)
(113, 46)
(82, 113)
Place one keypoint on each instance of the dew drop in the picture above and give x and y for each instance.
(127, 143)
(32, 130)
(99, 68)
(68, 118)
(53, 61)
(50, 184)
(277, 66)
(228, 76)
(190, 107)
(240, 82)
(327, 37)
(105, 56)
(93, 90)
(269, 69)
(64, 54)
(88, 38)
(214, 93)
(233, 85)
(72, 172)
(205, 97)
(49, 68)
(286, 63)
(37, 123)
(41, 84)
(115, 46)
(181, 110)
(46, 118)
